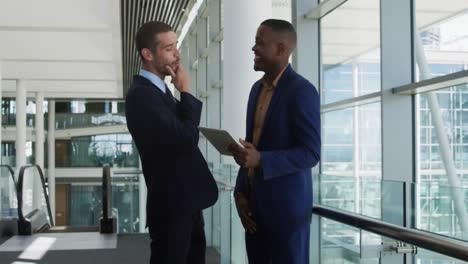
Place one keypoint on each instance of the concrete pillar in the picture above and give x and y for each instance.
(20, 123)
(239, 75)
(39, 147)
(51, 156)
(238, 78)
(39, 129)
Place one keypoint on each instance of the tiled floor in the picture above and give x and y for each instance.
(131, 249)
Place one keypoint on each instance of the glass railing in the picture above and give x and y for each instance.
(358, 195)
(404, 205)
(342, 243)
(68, 120)
(370, 197)
(8, 194)
(441, 209)
(118, 150)
(34, 213)
(10, 120)
(87, 199)
(438, 208)
(126, 200)
(224, 225)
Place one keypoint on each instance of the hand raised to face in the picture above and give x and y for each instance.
(180, 78)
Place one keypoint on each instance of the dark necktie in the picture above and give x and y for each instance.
(169, 95)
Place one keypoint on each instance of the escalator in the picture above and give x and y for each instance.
(37, 239)
(34, 211)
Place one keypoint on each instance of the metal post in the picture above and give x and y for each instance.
(306, 61)
(39, 146)
(142, 199)
(51, 156)
(20, 123)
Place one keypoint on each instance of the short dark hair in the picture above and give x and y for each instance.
(146, 35)
(281, 26)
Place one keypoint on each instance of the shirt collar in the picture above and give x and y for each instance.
(153, 78)
(275, 81)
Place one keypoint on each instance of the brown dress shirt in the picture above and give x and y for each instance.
(263, 102)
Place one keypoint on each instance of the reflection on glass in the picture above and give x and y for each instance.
(351, 50)
(340, 243)
(8, 153)
(443, 36)
(351, 160)
(73, 120)
(443, 162)
(9, 112)
(86, 204)
(227, 231)
(437, 209)
(118, 150)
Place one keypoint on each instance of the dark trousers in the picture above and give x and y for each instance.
(268, 247)
(180, 241)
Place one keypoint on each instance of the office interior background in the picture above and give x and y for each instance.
(393, 81)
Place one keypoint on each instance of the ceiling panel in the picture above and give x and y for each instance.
(40, 45)
(58, 70)
(56, 13)
(134, 13)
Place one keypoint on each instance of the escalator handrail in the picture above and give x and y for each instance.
(20, 191)
(106, 192)
(444, 245)
(12, 174)
(125, 172)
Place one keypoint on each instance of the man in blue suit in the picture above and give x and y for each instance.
(273, 191)
(166, 134)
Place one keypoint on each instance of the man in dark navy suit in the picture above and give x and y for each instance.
(165, 131)
(273, 191)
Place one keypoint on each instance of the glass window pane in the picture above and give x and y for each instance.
(351, 160)
(442, 194)
(350, 48)
(442, 37)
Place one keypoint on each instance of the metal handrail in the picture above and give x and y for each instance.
(12, 174)
(20, 192)
(108, 223)
(446, 246)
(127, 172)
(106, 192)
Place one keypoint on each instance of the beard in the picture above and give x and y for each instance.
(161, 68)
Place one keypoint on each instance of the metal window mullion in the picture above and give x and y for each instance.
(397, 124)
(323, 9)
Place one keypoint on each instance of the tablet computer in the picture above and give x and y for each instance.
(219, 138)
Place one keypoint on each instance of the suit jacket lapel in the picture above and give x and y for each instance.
(279, 90)
(251, 108)
(171, 103)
